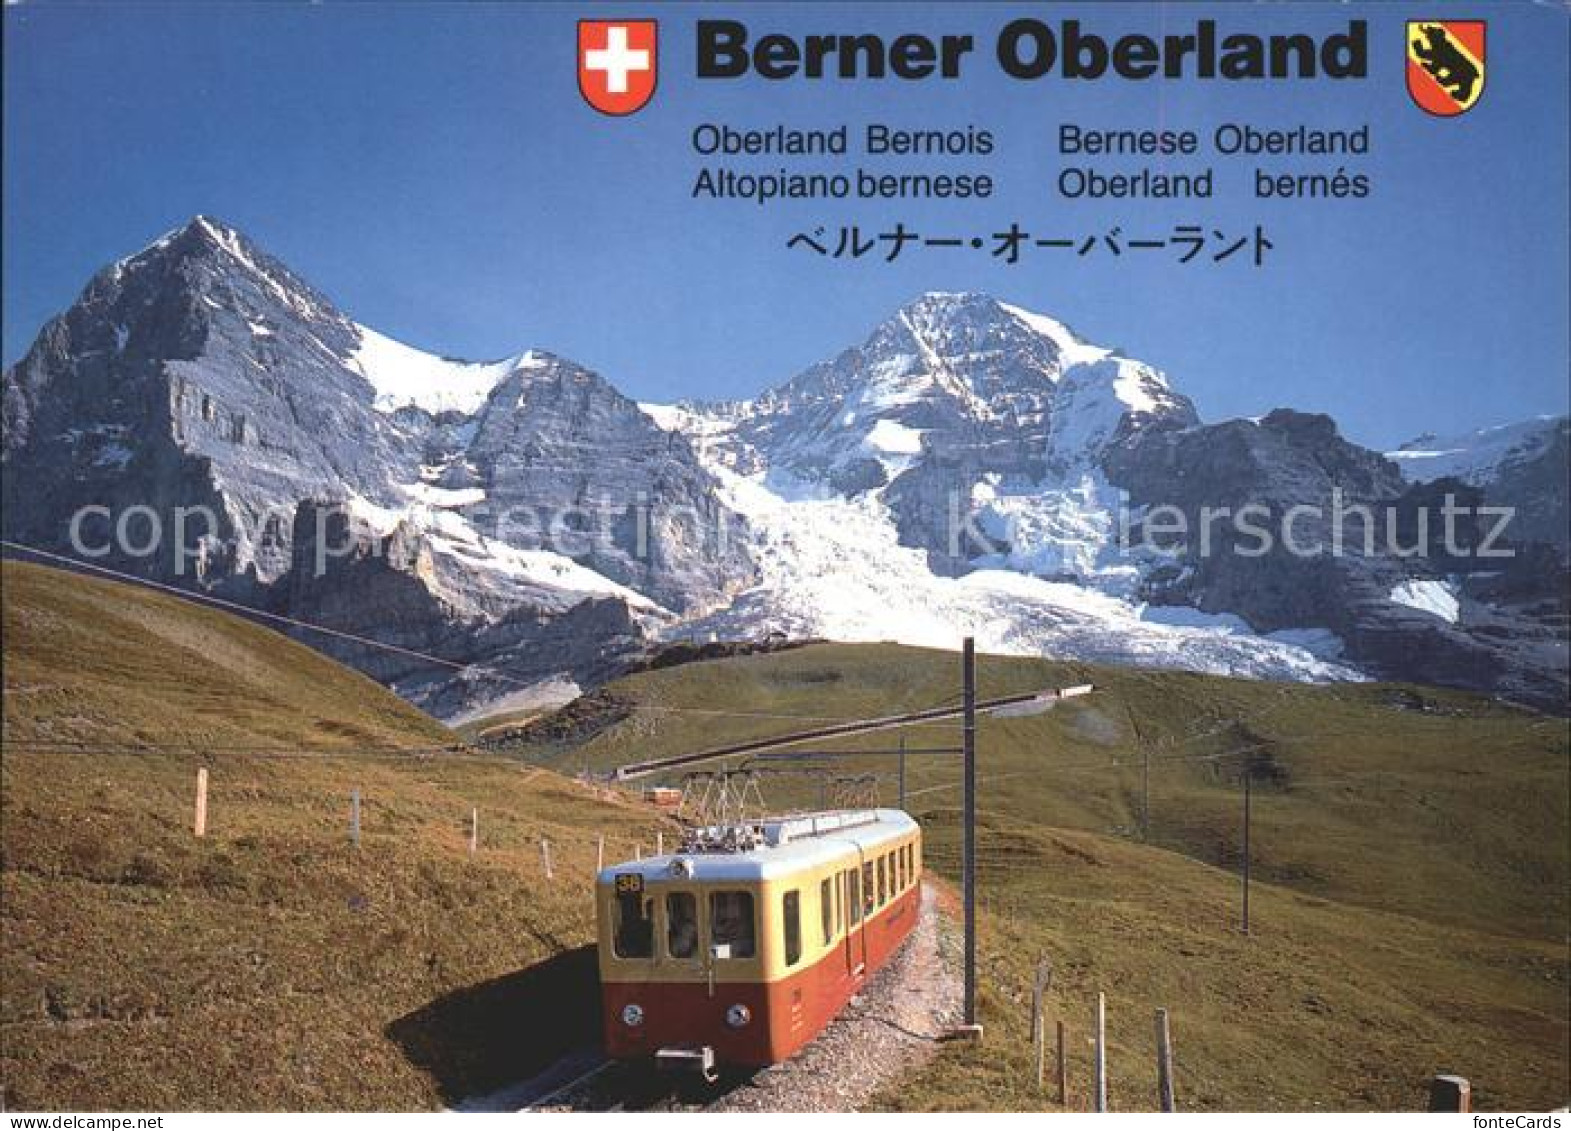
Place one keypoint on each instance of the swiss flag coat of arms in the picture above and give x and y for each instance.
(617, 64)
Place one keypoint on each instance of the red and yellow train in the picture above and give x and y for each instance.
(739, 949)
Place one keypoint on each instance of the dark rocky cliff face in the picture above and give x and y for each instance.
(1392, 535)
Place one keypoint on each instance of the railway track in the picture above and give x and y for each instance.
(611, 1087)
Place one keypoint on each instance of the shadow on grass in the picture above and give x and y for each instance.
(484, 1037)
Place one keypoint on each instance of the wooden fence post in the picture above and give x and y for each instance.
(1044, 978)
(599, 854)
(1164, 1062)
(545, 856)
(1063, 1067)
(474, 830)
(201, 801)
(354, 817)
(1450, 1093)
(659, 843)
(1100, 1069)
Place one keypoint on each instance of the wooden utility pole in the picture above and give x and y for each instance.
(968, 869)
(474, 830)
(354, 817)
(599, 854)
(1247, 776)
(1100, 1067)
(659, 843)
(545, 856)
(1164, 1063)
(200, 824)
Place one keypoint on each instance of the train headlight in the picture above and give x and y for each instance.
(632, 1015)
(738, 1015)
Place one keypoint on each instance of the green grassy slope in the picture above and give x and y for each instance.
(270, 964)
(1410, 847)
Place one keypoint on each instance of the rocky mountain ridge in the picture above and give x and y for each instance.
(970, 467)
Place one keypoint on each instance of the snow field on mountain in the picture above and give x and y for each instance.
(834, 567)
(403, 375)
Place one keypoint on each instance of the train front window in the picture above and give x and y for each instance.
(791, 912)
(681, 918)
(731, 924)
(634, 936)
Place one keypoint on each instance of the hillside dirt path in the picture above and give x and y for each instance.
(892, 1026)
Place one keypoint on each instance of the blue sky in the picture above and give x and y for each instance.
(432, 169)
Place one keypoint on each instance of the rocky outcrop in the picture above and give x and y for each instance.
(1338, 538)
(199, 399)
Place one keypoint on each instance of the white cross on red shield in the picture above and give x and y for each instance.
(617, 62)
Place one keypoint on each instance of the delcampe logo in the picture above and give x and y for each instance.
(1445, 65)
(617, 62)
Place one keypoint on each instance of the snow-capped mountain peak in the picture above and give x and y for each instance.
(961, 372)
(964, 469)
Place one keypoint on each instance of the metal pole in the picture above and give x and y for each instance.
(1145, 792)
(1247, 776)
(902, 772)
(969, 852)
(1063, 1067)
(1100, 1067)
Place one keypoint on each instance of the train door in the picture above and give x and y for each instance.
(847, 919)
(856, 918)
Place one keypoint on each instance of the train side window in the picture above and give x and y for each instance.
(731, 923)
(867, 886)
(883, 880)
(681, 916)
(826, 909)
(634, 936)
(854, 896)
(900, 870)
(791, 913)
